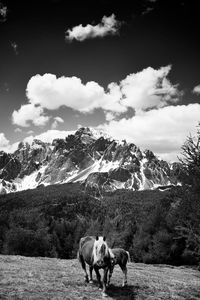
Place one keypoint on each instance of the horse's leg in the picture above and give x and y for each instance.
(98, 276)
(91, 269)
(105, 281)
(110, 274)
(124, 270)
(84, 267)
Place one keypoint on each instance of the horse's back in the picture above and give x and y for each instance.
(121, 256)
(84, 240)
(86, 248)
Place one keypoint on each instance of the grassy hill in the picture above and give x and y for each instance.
(50, 278)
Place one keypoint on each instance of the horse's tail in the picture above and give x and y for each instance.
(129, 258)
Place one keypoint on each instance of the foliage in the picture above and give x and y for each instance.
(188, 226)
(155, 226)
(191, 159)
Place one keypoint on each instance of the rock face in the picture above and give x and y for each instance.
(9, 166)
(101, 163)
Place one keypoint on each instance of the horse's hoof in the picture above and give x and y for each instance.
(91, 281)
(104, 294)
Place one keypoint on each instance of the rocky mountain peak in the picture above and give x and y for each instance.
(89, 156)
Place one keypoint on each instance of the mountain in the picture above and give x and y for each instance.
(88, 156)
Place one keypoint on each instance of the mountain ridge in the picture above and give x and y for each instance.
(89, 156)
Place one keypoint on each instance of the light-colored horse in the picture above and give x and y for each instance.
(95, 252)
(121, 257)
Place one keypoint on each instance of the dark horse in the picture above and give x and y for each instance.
(121, 257)
(95, 252)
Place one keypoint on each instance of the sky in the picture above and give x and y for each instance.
(131, 69)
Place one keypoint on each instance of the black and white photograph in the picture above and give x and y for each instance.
(99, 150)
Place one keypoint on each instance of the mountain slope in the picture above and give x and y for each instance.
(89, 156)
(51, 278)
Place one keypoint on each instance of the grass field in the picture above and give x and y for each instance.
(51, 278)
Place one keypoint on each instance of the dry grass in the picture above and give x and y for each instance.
(50, 278)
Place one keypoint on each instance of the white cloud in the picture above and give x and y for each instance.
(110, 116)
(147, 10)
(18, 129)
(3, 12)
(30, 132)
(162, 130)
(49, 135)
(143, 90)
(56, 122)
(5, 144)
(15, 47)
(59, 119)
(51, 93)
(108, 26)
(148, 88)
(196, 90)
(29, 113)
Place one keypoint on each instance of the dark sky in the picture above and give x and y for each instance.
(153, 33)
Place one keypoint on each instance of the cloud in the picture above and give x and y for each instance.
(110, 116)
(108, 26)
(196, 90)
(3, 12)
(29, 113)
(4, 142)
(30, 132)
(147, 10)
(162, 130)
(15, 47)
(56, 122)
(18, 129)
(49, 135)
(149, 88)
(51, 93)
(143, 90)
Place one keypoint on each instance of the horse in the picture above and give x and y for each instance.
(121, 257)
(95, 252)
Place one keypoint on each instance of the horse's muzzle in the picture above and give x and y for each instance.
(100, 263)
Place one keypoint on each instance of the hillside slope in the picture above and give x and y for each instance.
(51, 278)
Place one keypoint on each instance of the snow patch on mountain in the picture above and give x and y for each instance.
(30, 181)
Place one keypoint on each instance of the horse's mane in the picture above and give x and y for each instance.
(100, 241)
(111, 253)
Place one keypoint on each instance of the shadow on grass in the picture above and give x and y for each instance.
(118, 292)
(122, 293)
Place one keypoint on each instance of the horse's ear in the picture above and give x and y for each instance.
(104, 238)
(97, 238)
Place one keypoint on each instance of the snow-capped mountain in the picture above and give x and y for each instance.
(89, 156)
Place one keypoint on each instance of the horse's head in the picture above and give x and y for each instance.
(100, 251)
